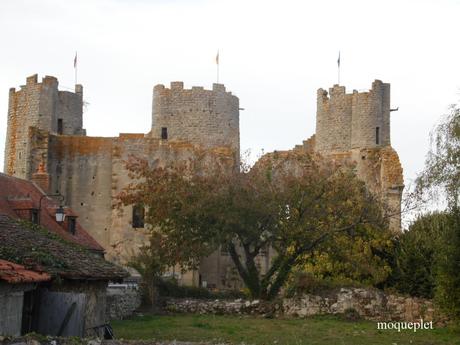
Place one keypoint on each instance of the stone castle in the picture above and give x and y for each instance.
(45, 129)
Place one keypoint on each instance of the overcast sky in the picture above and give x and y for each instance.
(274, 56)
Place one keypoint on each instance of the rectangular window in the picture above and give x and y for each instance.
(138, 216)
(164, 133)
(377, 135)
(60, 128)
(72, 225)
(34, 216)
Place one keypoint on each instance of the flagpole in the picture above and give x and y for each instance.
(75, 67)
(338, 69)
(217, 67)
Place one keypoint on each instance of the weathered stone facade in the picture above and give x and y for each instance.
(356, 128)
(45, 135)
(353, 121)
(43, 106)
(209, 118)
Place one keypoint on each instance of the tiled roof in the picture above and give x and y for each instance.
(38, 249)
(18, 195)
(15, 274)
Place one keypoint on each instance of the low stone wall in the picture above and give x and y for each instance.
(122, 302)
(371, 304)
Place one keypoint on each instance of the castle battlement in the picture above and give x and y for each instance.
(209, 118)
(346, 121)
(40, 105)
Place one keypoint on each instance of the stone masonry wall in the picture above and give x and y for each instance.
(121, 303)
(90, 172)
(333, 119)
(38, 105)
(370, 304)
(350, 121)
(209, 118)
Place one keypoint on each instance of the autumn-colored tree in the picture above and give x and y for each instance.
(295, 205)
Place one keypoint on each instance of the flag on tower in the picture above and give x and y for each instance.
(338, 60)
(75, 61)
(217, 58)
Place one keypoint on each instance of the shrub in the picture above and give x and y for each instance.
(170, 288)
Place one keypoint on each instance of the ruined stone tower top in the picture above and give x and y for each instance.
(352, 121)
(209, 118)
(43, 106)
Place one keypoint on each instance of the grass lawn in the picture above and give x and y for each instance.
(251, 330)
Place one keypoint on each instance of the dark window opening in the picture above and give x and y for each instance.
(72, 225)
(164, 133)
(138, 216)
(34, 216)
(377, 135)
(60, 128)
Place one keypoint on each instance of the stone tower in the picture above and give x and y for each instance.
(209, 118)
(353, 121)
(41, 106)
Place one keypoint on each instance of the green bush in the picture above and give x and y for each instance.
(302, 282)
(170, 288)
(416, 255)
(447, 290)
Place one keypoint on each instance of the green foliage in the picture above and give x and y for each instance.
(170, 288)
(448, 268)
(442, 166)
(297, 205)
(416, 255)
(151, 262)
(302, 282)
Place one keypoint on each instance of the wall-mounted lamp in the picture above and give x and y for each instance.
(60, 215)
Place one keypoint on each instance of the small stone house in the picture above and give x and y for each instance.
(73, 300)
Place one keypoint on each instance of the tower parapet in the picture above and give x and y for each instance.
(209, 118)
(349, 121)
(43, 106)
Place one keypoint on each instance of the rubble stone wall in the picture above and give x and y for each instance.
(122, 303)
(371, 304)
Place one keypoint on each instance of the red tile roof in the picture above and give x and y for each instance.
(15, 274)
(18, 195)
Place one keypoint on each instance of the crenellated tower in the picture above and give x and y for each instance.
(353, 121)
(209, 118)
(39, 107)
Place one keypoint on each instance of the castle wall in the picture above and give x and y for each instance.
(81, 170)
(209, 118)
(90, 172)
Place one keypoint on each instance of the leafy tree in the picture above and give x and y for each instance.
(152, 262)
(442, 174)
(415, 255)
(442, 166)
(447, 292)
(296, 205)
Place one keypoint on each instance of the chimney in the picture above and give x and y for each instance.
(41, 178)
